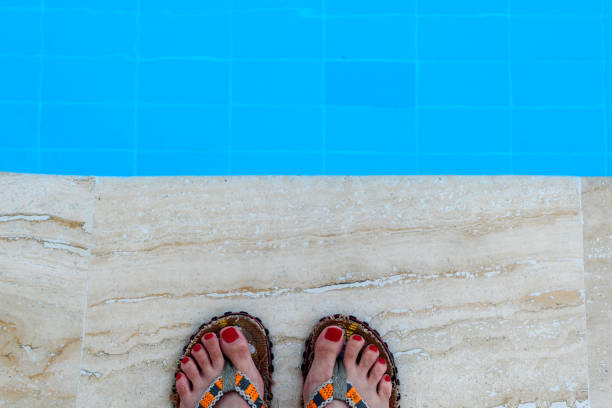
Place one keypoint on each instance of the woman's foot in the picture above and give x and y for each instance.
(367, 375)
(206, 363)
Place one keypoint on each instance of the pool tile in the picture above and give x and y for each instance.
(367, 7)
(463, 83)
(183, 127)
(307, 7)
(18, 125)
(360, 164)
(570, 131)
(465, 164)
(85, 34)
(359, 83)
(277, 32)
(370, 129)
(86, 126)
(460, 8)
(20, 32)
(559, 164)
(183, 81)
(186, 7)
(104, 80)
(19, 161)
(557, 83)
(21, 3)
(464, 131)
(546, 38)
(183, 163)
(23, 74)
(97, 5)
(276, 128)
(477, 38)
(85, 163)
(552, 7)
(277, 82)
(281, 163)
(388, 37)
(172, 35)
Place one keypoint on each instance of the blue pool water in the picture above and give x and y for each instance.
(201, 87)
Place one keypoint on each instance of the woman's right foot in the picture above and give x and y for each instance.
(206, 363)
(368, 375)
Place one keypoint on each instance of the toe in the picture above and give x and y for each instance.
(385, 387)
(235, 346)
(190, 369)
(199, 354)
(328, 347)
(353, 347)
(368, 358)
(182, 386)
(211, 342)
(326, 350)
(377, 371)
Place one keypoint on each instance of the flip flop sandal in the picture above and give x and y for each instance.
(338, 386)
(231, 379)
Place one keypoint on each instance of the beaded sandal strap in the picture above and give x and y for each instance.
(336, 388)
(231, 380)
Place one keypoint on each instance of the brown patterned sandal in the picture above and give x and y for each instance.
(231, 379)
(338, 387)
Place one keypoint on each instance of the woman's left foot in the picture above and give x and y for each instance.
(367, 374)
(206, 363)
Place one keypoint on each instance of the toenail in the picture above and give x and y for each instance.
(185, 360)
(382, 361)
(372, 347)
(230, 335)
(178, 376)
(357, 337)
(387, 377)
(333, 334)
(197, 347)
(208, 336)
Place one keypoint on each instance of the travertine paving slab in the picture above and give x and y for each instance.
(597, 208)
(475, 282)
(45, 237)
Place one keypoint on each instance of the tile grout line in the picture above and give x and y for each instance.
(417, 146)
(136, 128)
(230, 89)
(89, 255)
(40, 87)
(603, 89)
(584, 288)
(323, 83)
(165, 12)
(510, 93)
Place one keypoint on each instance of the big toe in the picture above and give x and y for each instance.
(326, 350)
(236, 348)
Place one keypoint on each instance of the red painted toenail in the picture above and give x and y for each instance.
(333, 334)
(178, 376)
(372, 347)
(357, 337)
(208, 336)
(382, 361)
(230, 335)
(197, 347)
(387, 377)
(185, 360)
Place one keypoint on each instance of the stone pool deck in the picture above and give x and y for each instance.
(491, 291)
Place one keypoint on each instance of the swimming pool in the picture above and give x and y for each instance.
(156, 87)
